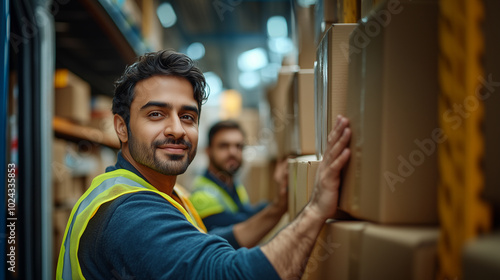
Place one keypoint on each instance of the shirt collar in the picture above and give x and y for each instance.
(122, 163)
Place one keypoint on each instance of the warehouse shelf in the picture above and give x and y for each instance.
(66, 129)
(128, 28)
(96, 39)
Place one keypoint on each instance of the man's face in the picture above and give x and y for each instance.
(163, 132)
(226, 149)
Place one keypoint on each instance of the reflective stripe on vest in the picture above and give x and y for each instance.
(104, 188)
(183, 196)
(206, 188)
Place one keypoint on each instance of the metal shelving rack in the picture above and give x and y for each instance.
(98, 58)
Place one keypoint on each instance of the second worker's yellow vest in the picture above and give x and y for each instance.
(209, 198)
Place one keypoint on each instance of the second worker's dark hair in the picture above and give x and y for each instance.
(223, 125)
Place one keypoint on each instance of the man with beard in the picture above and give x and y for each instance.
(222, 202)
(129, 224)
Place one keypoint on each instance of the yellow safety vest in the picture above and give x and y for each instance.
(104, 188)
(209, 198)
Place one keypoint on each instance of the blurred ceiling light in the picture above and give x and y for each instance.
(270, 72)
(277, 27)
(249, 80)
(213, 82)
(252, 60)
(281, 45)
(231, 103)
(166, 14)
(306, 3)
(196, 51)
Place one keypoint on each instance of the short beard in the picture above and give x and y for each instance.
(226, 172)
(175, 165)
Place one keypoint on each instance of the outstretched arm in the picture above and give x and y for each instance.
(289, 250)
(250, 232)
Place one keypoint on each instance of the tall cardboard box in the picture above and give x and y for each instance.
(481, 258)
(337, 252)
(249, 120)
(360, 250)
(304, 105)
(326, 13)
(281, 105)
(331, 81)
(292, 184)
(72, 97)
(306, 175)
(392, 253)
(304, 171)
(392, 98)
(255, 177)
(303, 34)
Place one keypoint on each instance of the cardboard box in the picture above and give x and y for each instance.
(306, 175)
(331, 81)
(58, 157)
(304, 104)
(326, 13)
(102, 117)
(336, 254)
(101, 106)
(304, 170)
(281, 105)
(304, 179)
(106, 128)
(392, 98)
(249, 120)
(79, 186)
(72, 97)
(255, 177)
(390, 252)
(481, 258)
(292, 183)
(68, 187)
(360, 250)
(303, 35)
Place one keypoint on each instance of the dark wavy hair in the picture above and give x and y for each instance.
(165, 62)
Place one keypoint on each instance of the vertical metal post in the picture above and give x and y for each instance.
(47, 68)
(4, 49)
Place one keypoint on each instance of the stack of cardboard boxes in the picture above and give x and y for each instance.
(292, 109)
(382, 74)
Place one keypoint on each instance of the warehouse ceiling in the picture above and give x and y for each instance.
(226, 28)
(88, 43)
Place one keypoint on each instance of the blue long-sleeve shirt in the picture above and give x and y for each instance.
(143, 236)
